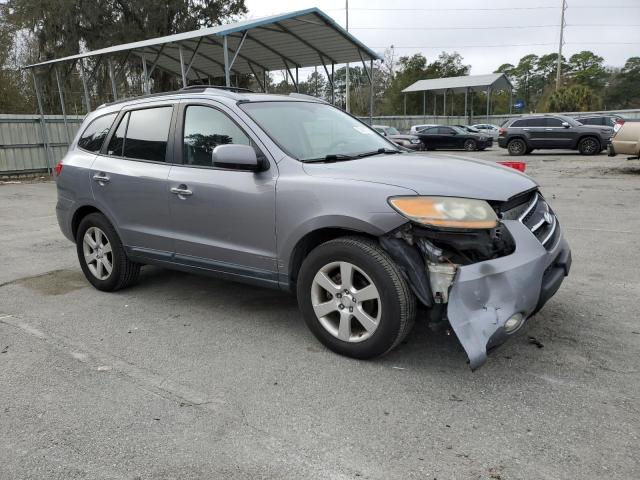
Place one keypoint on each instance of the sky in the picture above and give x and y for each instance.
(487, 33)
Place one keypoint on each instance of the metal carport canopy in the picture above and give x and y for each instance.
(303, 38)
(472, 83)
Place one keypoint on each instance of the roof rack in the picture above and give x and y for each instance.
(220, 87)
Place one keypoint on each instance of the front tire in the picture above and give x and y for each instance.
(589, 146)
(470, 145)
(354, 299)
(102, 256)
(517, 146)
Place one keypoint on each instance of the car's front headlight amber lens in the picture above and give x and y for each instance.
(447, 212)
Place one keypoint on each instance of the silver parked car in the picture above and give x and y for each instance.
(291, 193)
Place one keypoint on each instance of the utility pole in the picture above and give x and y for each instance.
(346, 95)
(559, 70)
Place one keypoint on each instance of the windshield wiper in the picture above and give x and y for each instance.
(378, 152)
(340, 157)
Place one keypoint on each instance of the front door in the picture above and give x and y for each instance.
(222, 219)
(447, 137)
(129, 179)
(557, 136)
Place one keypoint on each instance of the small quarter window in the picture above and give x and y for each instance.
(117, 139)
(93, 136)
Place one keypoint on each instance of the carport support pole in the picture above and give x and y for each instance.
(182, 72)
(333, 85)
(64, 110)
(405, 104)
(466, 99)
(227, 74)
(145, 77)
(424, 103)
(435, 104)
(371, 94)
(444, 106)
(83, 74)
(113, 80)
(43, 124)
(488, 100)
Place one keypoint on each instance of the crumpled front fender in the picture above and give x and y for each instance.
(485, 295)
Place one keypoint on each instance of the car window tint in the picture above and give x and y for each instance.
(93, 136)
(554, 122)
(519, 123)
(147, 134)
(117, 139)
(537, 122)
(444, 131)
(204, 129)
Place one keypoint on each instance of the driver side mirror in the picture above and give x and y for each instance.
(236, 157)
(566, 125)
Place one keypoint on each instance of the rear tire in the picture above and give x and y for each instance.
(589, 146)
(470, 145)
(325, 298)
(102, 256)
(517, 146)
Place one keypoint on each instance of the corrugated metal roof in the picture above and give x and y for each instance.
(460, 84)
(302, 38)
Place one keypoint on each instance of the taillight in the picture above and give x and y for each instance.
(618, 125)
(520, 166)
(58, 168)
(501, 132)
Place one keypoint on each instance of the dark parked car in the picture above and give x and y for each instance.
(470, 129)
(408, 141)
(522, 135)
(453, 137)
(606, 120)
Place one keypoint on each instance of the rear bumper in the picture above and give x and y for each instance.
(485, 295)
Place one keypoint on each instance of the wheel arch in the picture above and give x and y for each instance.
(84, 210)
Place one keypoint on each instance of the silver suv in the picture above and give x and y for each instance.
(291, 193)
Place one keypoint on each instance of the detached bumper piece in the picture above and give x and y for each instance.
(490, 300)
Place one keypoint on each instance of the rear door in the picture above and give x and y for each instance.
(430, 137)
(226, 222)
(447, 137)
(536, 129)
(129, 178)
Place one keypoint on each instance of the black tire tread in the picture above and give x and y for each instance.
(129, 271)
(406, 297)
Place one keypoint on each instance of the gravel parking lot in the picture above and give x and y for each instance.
(191, 377)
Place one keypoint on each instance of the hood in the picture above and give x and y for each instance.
(425, 174)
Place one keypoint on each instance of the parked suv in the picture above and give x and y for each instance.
(626, 139)
(607, 120)
(294, 194)
(523, 135)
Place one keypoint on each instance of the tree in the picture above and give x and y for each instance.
(574, 98)
(587, 68)
(624, 86)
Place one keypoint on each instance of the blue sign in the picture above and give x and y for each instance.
(519, 105)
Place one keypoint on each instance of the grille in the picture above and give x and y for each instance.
(538, 217)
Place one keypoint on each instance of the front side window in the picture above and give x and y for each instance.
(147, 134)
(537, 122)
(204, 129)
(313, 131)
(554, 122)
(93, 136)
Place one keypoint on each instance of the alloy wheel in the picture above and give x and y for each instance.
(98, 253)
(346, 301)
(589, 146)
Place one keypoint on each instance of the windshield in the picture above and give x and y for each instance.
(311, 131)
(392, 131)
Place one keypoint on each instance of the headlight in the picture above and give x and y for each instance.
(448, 212)
(403, 142)
(415, 141)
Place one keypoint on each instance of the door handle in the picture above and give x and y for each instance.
(181, 191)
(101, 178)
(548, 129)
(526, 129)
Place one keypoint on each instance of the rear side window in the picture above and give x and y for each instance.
(519, 123)
(147, 134)
(591, 121)
(117, 139)
(537, 122)
(93, 136)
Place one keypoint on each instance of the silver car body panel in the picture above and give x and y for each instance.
(485, 295)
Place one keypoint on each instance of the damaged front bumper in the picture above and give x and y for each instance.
(485, 295)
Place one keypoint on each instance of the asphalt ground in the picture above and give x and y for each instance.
(186, 377)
